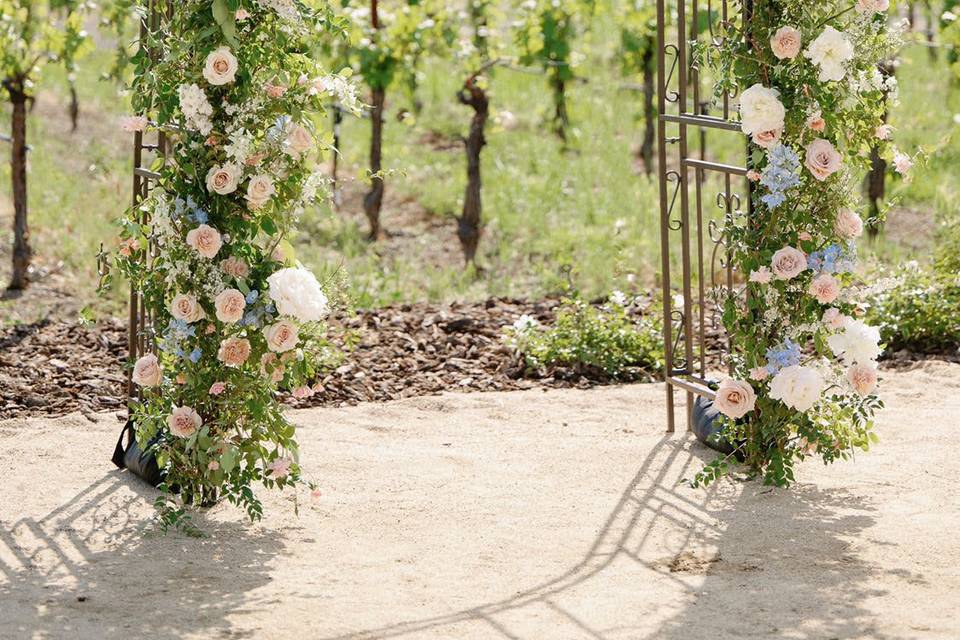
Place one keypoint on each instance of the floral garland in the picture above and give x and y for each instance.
(806, 370)
(234, 316)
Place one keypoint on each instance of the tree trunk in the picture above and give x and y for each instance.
(469, 224)
(18, 178)
(335, 156)
(560, 117)
(74, 108)
(876, 189)
(649, 109)
(374, 198)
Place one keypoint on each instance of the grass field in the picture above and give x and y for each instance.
(547, 210)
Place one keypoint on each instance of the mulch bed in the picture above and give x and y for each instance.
(53, 368)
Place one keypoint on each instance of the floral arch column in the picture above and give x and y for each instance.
(222, 315)
(776, 264)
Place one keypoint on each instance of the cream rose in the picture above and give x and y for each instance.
(788, 263)
(786, 43)
(735, 398)
(184, 306)
(798, 387)
(822, 159)
(147, 371)
(863, 378)
(848, 224)
(281, 336)
(298, 141)
(873, 6)
(205, 240)
(184, 422)
(229, 304)
(833, 319)
(858, 343)
(825, 288)
(761, 110)
(234, 352)
(831, 51)
(220, 67)
(235, 267)
(297, 293)
(259, 190)
(223, 179)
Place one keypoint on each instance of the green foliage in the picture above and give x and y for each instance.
(591, 340)
(919, 312)
(33, 34)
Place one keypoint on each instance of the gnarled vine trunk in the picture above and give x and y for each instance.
(560, 117)
(649, 108)
(469, 223)
(373, 201)
(18, 177)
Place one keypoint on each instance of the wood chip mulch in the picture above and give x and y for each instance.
(54, 367)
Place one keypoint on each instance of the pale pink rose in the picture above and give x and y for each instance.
(822, 159)
(786, 43)
(298, 141)
(220, 67)
(259, 190)
(235, 267)
(241, 15)
(316, 494)
(735, 398)
(184, 422)
(270, 365)
(281, 336)
(213, 465)
(211, 141)
(805, 236)
(184, 306)
(848, 224)
(128, 246)
(759, 374)
(279, 468)
(833, 319)
(761, 276)
(132, 124)
(254, 159)
(767, 139)
(234, 352)
(753, 176)
(816, 123)
(302, 392)
(274, 90)
(230, 305)
(863, 378)
(205, 240)
(884, 132)
(217, 388)
(788, 263)
(902, 163)
(825, 288)
(873, 6)
(147, 371)
(223, 179)
(210, 329)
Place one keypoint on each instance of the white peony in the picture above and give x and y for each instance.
(831, 51)
(297, 293)
(857, 343)
(798, 387)
(761, 110)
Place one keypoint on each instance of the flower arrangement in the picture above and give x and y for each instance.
(812, 104)
(235, 318)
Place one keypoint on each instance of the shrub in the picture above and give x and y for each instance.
(605, 341)
(920, 312)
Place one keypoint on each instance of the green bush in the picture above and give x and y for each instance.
(921, 312)
(606, 341)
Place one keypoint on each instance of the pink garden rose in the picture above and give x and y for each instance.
(873, 6)
(205, 240)
(147, 371)
(761, 276)
(234, 352)
(213, 465)
(848, 224)
(767, 139)
(241, 15)
(825, 288)
(220, 67)
(298, 141)
(217, 388)
(274, 90)
(816, 122)
(302, 392)
(786, 43)
(230, 305)
(223, 179)
(279, 468)
(902, 163)
(735, 398)
(281, 336)
(884, 132)
(759, 374)
(863, 378)
(132, 124)
(183, 422)
(259, 190)
(822, 159)
(270, 365)
(235, 267)
(833, 319)
(788, 263)
(753, 176)
(184, 306)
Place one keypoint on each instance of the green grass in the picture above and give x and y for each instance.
(546, 210)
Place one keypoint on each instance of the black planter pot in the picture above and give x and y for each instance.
(131, 457)
(707, 424)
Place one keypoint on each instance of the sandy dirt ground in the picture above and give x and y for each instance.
(525, 515)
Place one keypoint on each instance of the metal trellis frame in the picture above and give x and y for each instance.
(691, 228)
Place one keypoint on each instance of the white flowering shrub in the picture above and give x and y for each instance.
(812, 100)
(235, 317)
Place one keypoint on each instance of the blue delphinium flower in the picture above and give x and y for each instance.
(195, 355)
(783, 356)
(252, 296)
(833, 259)
(781, 174)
